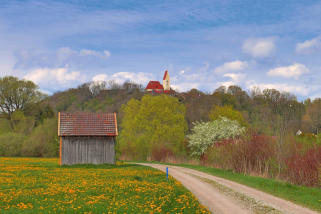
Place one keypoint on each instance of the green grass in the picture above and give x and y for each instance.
(38, 185)
(306, 196)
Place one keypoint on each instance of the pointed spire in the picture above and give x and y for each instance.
(165, 74)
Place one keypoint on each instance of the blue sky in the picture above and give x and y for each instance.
(203, 44)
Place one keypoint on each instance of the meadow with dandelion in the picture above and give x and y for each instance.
(40, 185)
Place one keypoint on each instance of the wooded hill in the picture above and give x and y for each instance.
(264, 110)
(268, 119)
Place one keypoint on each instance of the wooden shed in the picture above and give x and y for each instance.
(87, 137)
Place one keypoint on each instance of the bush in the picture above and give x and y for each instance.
(319, 182)
(11, 143)
(160, 153)
(25, 126)
(257, 154)
(250, 154)
(43, 141)
(205, 134)
(304, 168)
(5, 126)
(221, 154)
(254, 154)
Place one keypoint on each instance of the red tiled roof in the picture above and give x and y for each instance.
(165, 74)
(87, 124)
(154, 85)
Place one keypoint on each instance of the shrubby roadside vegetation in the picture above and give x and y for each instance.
(160, 127)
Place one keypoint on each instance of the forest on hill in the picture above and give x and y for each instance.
(254, 132)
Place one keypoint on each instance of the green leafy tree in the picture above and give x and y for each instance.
(39, 112)
(16, 94)
(225, 99)
(205, 134)
(228, 112)
(155, 121)
(17, 117)
(243, 99)
(21, 123)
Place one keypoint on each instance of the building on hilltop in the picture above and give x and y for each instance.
(87, 138)
(156, 87)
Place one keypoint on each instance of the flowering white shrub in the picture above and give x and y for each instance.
(205, 134)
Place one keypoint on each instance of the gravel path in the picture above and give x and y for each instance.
(223, 196)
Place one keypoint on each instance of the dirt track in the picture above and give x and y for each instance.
(224, 196)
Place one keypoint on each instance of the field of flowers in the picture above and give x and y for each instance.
(34, 185)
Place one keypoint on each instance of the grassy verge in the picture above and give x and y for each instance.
(306, 196)
(34, 185)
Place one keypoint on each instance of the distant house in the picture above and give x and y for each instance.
(156, 87)
(87, 138)
(299, 132)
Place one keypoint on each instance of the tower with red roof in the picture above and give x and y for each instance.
(166, 83)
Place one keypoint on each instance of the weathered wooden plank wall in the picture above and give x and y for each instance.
(95, 150)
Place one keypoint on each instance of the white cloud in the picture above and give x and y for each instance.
(181, 72)
(309, 46)
(294, 71)
(259, 47)
(185, 86)
(86, 52)
(107, 53)
(236, 77)
(140, 77)
(231, 66)
(100, 77)
(60, 76)
(121, 77)
(64, 56)
(192, 76)
(283, 87)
